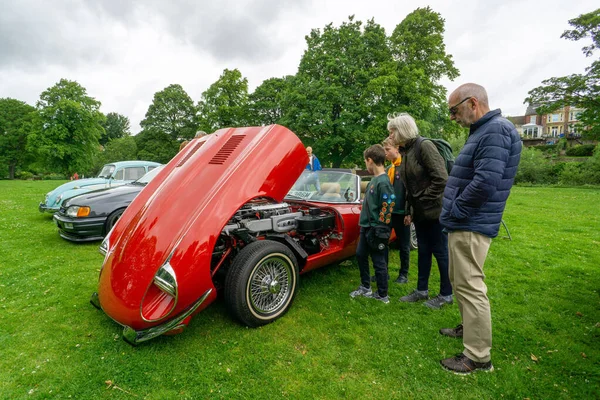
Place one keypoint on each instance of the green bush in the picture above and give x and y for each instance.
(585, 150)
(549, 148)
(54, 177)
(535, 168)
(24, 175)
(582, 173)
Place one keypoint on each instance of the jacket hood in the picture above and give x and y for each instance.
(181, 212)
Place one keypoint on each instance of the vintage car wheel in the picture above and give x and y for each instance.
(261, 282)
(112, 219)
(413, 237)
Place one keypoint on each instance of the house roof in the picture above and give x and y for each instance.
(517, 120)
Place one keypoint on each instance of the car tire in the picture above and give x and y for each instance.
(414, 244)
(261, 283)
(112, 220)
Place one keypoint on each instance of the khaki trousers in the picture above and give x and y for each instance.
(467, 253)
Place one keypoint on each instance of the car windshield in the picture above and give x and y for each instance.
(328, 186)
(107, 171)
(144, 180)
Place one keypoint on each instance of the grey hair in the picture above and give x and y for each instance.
(199, 134)
(472, 90)
(403, 126)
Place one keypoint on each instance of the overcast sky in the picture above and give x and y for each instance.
(123, 51)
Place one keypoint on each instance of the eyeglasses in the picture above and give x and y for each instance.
(454, 109)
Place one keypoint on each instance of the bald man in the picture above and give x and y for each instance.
(474, 200)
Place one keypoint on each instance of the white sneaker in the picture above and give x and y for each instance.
(361, 291)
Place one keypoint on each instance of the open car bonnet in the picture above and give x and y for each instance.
(178, 217)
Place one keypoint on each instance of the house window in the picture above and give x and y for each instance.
(555, 118)
(533, 119)
(554, 131)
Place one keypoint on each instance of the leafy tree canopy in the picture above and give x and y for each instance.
(579, 90)
(265, 103)
(173, 113)
(120, 149)
(67, 128)
(225, 102)
(116, 126)
(155, 145)
(15, 124)
(351, 77)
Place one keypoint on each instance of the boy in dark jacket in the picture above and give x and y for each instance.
(375, 217)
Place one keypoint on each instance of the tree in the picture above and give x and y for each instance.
(350, 78)
(330, 105)
(171, 118)
(418, 47)
(225, 102)
(116, 126)
(172, 112)
(67, 128)
(15, 124)
(265, 103)
(155, 145)
(579, 90)
(120, 149)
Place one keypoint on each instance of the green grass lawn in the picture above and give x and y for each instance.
(544, 288)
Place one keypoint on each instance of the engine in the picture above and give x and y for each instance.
(279, 218)
(310, 227)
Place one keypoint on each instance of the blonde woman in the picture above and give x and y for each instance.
(424, 178)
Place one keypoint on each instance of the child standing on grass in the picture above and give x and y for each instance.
(374, 222)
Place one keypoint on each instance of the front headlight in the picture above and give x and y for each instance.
(78, 211)
(104, 246)
(166, 281)
(161, 296)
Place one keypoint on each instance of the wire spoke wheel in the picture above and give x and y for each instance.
(261, 282)
(270, 284)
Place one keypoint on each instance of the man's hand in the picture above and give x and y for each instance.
(407, 220)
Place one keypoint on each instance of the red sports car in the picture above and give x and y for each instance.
(235, 210)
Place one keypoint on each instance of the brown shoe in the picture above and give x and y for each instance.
(453, 332)
(462, 364)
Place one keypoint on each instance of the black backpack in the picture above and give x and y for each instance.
(443, 148)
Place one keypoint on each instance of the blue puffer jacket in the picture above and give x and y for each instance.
(482, 176)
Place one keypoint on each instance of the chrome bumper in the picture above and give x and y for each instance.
(134, 337)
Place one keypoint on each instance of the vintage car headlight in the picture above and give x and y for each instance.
(78, 211)
(103, 249)
(161, 296)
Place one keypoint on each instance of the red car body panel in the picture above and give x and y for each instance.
(180, 215)
(208, 181)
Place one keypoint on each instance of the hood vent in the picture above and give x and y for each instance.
(191, 153)
(228, 148)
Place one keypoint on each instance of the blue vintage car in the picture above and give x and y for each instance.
(111, 175)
